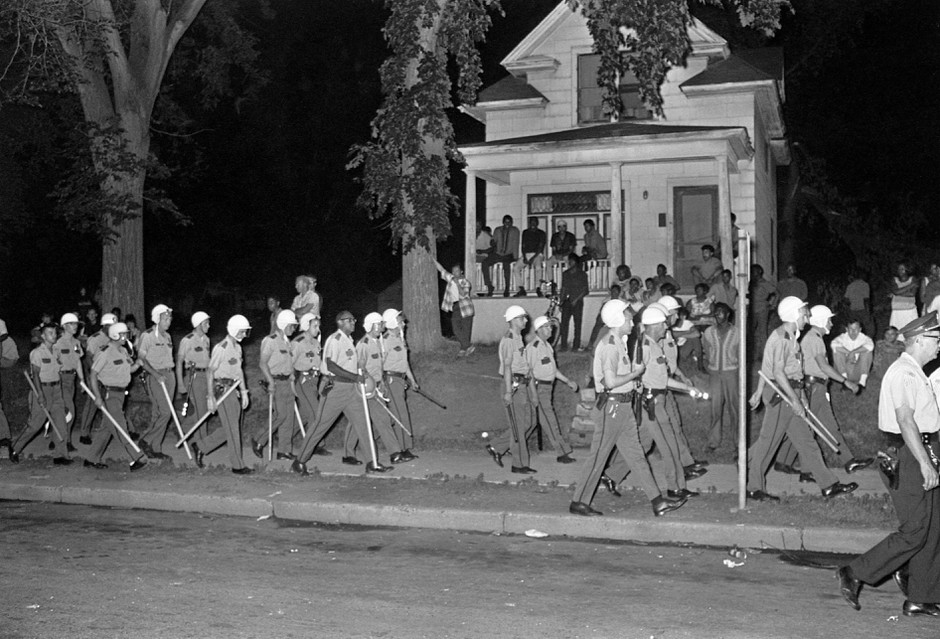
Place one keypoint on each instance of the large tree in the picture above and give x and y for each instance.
(114, 55)
(405, 165)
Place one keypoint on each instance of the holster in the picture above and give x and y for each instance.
(649, 403)
(326, 386)
(889, 465)
(637, 401)
(601, 401)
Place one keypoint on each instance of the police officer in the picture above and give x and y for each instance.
(70, 352)
(909, 418)
(109, 377)
(783, 364)
(306, 360)
(95, 342)
(398, 377)
(44, 367)
(155, 353)
(514, 369)
(277, 365)
(616, 379)
(225, 371)
(341, 394)
(192, 360)
(541, 358)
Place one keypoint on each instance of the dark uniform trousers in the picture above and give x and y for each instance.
(520, 422)
(723, 391)
(615, 426)
(198, 406)
(114, 404)
(160, 410)
(548, 418)
(89, 410)
(52, 396)
(284, 421)
(307, 399)
(398, 403)
(780, 420)
(230, 412)
(917, 540)
(67, 379)
(675, 420)
(820, 405)
(345, 398)
(4, 426)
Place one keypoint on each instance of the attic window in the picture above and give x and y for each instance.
(590, 96)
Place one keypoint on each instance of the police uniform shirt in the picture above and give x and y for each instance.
(541, 359)
(156, 348)
(46, 359)
(226, 360)
(194, 351)
(396, 354)
(512, 354)
(782, 351)
(905, 384)
(306, 353)
(812, 345)
(657, 371)
(369, 350)
(95, 343)
(671, 350)
(611, 356)
(276, 353)
(113, 365)
(69, 351)
(340, 350)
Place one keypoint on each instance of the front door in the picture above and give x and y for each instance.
(696, 223)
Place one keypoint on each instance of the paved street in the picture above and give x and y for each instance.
(76, 571)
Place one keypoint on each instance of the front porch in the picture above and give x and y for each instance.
(599, 273)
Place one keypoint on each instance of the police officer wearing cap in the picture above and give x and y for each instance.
(818, 372)
(306, 360)
(70, 352)
(616, 378)
(277, 365)
(192, 360)
(341, 395)
(44, 367)
(910, 420)
(110, 375)
(515, 371)
(155, 354)
(783, 364)
(541, 358)
(398, 376)
(224, 371)
(95, 342)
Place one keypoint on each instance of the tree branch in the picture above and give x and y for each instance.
(103, 13)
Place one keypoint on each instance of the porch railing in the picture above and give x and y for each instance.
(598, 273)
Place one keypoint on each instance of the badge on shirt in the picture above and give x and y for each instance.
(349, 352)
(375, 355)
(233, 361)
(46, 360)
(397, 348)
(118, 362)
(66, 351)
(198, 349)
(660, 360)
(546, 360)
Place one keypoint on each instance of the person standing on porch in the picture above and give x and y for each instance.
(506, 238)
(533, 255)
(562, 245)
(724, 292)
(595, 246)
(574, 288)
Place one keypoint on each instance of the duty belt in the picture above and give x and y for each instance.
(797, 384)
(71, 372)
(540, 382)
(520, 378)
(198, 370)
(227, 381)
(929, 439)
(115, 388)
(55, 383)
(310, 373)
(396, 374)
(655, 392)
(811, 379)
(620, 397)
(281, 378)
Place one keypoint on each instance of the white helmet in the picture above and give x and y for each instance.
(669, 303)
(390, 317)
(68, 318)
(157, 311)
(612, 313)
(108, 319)
(285, 318)
(115, 330)
(653, 315)
(198, 318)
(789, 308)
(513, 312)
(819, 315)
(371, 320)
(305, 320)
(237, 323)
(540, 321)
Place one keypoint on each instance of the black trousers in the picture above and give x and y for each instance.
(568, 311)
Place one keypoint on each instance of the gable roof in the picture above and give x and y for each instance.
(509, 88)
(749, 65)
(602, 131)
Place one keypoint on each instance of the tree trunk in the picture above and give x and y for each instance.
(420, 297)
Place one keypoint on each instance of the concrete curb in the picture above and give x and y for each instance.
(645, 529)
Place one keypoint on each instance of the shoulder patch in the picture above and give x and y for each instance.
(611, 340)
(299, 338)
(190, 336)
(336, 336)
(365, 339)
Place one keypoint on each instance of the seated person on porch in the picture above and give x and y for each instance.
(689, 341)
(650, 293)
(663, 277)
(562, 245)
(506, 238)
(709, 271)
(615, 293)
(595, 246)
(533, 254)
(632, 296)
(887, 350)
(484, 243)
(853, 352)
(701, 307)
(623, 278)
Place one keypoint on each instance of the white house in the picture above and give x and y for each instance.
(657, 188)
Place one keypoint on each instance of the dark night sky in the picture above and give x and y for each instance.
(270, 196)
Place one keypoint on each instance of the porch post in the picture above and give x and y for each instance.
(470, 229)
(724, 213)
(617, 243)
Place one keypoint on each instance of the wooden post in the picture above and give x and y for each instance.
(470, 228)
(617, 242)
(724, 213)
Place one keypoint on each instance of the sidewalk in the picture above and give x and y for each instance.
(275, 491)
